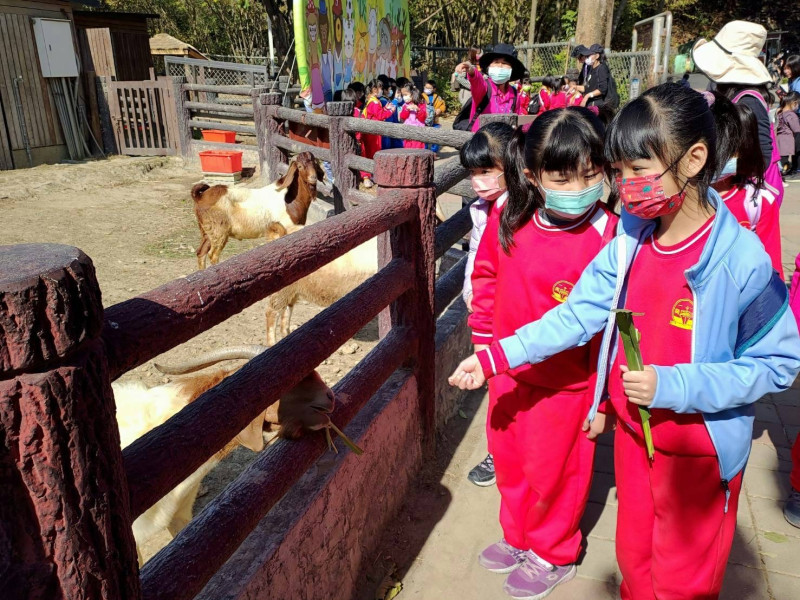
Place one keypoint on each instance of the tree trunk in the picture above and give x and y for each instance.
(623, 4)
(532, 30)
(593, 21)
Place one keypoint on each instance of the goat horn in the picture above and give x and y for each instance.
(206, 360)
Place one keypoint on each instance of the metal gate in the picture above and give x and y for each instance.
(143, 117)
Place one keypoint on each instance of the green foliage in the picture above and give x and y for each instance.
(569, 21)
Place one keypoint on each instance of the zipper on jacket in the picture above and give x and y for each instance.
(727, 489)
(725, 485)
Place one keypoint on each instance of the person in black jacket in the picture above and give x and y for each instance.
(598, 85)
(580, 52)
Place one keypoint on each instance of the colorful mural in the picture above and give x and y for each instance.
(339, 41)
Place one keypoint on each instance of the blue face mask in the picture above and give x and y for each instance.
(500, 75)
(727, 171)
(572, 203)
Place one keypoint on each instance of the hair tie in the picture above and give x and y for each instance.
(595, 110)
(710, 98)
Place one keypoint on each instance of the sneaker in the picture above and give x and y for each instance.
(536, 578)
(792, 176)
(501, 557)
(791, 510)
(483, 473)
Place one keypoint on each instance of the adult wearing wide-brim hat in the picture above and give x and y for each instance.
(730, 60)
(501, 66)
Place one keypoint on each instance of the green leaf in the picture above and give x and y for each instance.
(462, 414)
(633, 356)
(778, 538)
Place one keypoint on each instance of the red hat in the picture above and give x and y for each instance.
(337, 7)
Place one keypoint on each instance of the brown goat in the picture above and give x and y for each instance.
(244, 213)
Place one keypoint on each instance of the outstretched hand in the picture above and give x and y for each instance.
(465, 68)
(468, 375)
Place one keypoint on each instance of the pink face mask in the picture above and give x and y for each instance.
(644, 196)
(487, 186)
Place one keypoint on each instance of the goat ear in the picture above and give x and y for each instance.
(286, 180)
(251, 437)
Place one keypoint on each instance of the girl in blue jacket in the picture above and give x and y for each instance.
(715, 337)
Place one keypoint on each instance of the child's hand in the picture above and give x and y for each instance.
(602, 423)
(468, 375)
(469, 304)
(412, 107)
(640, 386)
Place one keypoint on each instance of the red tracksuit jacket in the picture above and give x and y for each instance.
(511, 291)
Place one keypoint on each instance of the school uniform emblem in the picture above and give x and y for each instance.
(683, 314)
(561, 290)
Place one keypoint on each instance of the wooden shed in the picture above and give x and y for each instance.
(115, 44)
(30, 129)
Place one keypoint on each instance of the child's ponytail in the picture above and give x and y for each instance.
(523, 197)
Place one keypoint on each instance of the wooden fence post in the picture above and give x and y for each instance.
(256, 95)
(342, 144)
(65, 519)
(511, 119)
(106, 126)
(397, 173)
(273, 156)
(182, 117)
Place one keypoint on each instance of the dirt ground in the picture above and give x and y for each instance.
(134, 218)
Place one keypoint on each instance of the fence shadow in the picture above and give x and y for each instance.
(429, 500)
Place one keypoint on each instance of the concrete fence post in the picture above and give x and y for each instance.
(342, 143)
(270, 102)
(65, 526)
(398, 173)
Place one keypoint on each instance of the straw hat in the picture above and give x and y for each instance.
(732, 56)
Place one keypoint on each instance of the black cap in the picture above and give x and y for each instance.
(595, 49)
(506, 52)
(579, 50)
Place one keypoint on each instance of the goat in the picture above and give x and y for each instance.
(323, 287)
(140, 409)
(244, 213)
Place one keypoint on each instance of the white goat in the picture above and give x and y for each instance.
(249, 213)
(323, 287)
(140, 409)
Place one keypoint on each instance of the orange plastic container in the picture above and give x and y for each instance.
(220, 161)
(217, 135)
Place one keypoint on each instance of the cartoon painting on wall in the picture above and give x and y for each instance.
(339, 41)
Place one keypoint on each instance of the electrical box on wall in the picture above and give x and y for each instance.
(56, 50)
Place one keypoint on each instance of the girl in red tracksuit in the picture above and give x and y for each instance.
(375, 111)
(740, 179)
(413, 113)
(530, 256)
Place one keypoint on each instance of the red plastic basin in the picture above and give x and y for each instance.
(217, 135)
(221, 161)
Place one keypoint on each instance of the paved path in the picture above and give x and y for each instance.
(764, 563)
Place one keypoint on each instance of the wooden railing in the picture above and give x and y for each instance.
(60, 358)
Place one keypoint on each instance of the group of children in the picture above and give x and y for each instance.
(552, 259)
(554, 93)
(400, 101)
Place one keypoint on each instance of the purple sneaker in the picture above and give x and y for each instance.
(501, 557)
(536, 578)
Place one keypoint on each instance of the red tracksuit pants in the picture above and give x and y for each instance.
(794, 478)
(544, 466)
(673, 534)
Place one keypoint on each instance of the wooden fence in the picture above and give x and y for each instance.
(70, 494)
(273, 124)
(143, 117)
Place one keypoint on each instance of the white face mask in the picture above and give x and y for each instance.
(590, 60)
(406, 99)
(429, 91)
